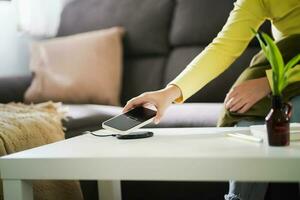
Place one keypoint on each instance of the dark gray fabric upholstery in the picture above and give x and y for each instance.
(216, 90)
(13, 88)
(146, 22)
(197, 22)
(142, 74)
(179, 58)
(82, 117)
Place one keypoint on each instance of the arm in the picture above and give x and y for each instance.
(225, 48)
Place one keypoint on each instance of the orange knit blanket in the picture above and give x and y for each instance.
(28, 126)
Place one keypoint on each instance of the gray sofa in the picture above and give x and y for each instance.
(162, 36)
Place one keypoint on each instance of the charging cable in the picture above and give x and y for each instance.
(106, 135)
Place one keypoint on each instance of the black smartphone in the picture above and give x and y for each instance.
(128, 122)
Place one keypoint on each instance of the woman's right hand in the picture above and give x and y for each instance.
(161, 99)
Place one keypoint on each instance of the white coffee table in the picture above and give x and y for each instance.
(184, 154)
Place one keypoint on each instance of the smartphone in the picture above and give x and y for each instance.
(127, 122)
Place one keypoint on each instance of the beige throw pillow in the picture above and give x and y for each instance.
(82, 68)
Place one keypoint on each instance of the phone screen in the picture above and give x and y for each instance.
(131, 119)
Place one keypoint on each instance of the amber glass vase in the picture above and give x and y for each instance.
(278, 123)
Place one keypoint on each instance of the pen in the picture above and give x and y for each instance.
(245, 137)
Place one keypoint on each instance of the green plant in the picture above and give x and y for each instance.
(281, 73)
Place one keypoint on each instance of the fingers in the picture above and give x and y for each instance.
(242, 105)
(230, 94)
(156, 100)
(233, 102)
(159, 111)
(243, 96)
(235, 99)
(159, 115)
(245, 108)
(237, 106)
(150, 106)
(129, 105)
(135, 102)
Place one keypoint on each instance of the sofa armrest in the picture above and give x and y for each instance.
(12, 88)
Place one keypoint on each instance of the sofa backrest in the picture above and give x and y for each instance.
(162, 37)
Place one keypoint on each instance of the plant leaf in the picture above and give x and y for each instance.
(284, 82)
(294, 74)
(269, 74)
(266, 51)
(275, 83)
(277, 63)
(275, 54)
(292, 63)
(261, 41)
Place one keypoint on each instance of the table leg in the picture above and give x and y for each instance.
(17, 190)
(109, 190)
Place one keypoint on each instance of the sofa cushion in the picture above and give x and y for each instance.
(146, 22)
(216, 90)
(190, 24)
(82, 68)
(12, 88)
(87, 115)
(142, 74)
(190, 115)
(179, 58)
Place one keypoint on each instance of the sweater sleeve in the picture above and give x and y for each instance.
(223, 50)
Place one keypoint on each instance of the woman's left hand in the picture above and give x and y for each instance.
(242, 97)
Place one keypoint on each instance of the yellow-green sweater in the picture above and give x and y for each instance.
(235, 37)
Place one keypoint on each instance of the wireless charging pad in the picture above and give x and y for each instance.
(135, 135)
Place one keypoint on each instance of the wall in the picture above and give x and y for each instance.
(13, 45)
(38, 18)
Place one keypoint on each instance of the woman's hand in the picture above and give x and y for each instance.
(161, 99)
(242, 97)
